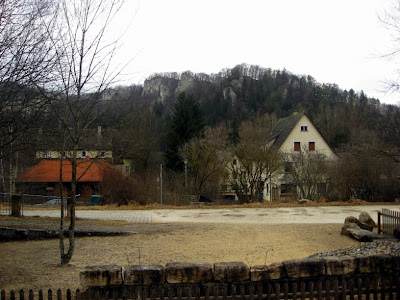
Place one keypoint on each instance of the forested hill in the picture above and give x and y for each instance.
(246, 91)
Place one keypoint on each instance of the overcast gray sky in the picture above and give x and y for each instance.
(335, 41)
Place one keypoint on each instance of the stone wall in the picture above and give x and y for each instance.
(228, 272)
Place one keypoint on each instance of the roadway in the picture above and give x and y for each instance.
(270, 215)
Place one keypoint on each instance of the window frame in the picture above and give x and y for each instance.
(296, 146)
(304, 128)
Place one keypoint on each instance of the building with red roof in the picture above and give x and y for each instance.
(44, 177)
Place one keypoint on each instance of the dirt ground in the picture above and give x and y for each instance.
(36, 264)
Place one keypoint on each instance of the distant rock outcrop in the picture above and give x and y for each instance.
(160, 87)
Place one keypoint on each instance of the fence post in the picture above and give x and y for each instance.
(379, 222)
(16, 205)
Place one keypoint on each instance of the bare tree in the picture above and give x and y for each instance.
(25, 61)
(253, 162)
(206, 161)
(84, 69)
(391, 21)
(308, 171)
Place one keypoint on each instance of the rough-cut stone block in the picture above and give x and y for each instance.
(178, 272)
(146, 275)
(307, 267)
(7, 233)
(104, 275)
(270, 272)
(21, 234)
(340, 265)
(51, 234)
(35, 234)
(231, 272)
(374, 263)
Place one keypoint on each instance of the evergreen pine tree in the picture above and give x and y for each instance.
(186, 123)
(233, 137)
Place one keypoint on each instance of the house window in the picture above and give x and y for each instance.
(288, 188)
(45, 154)
(83, 154)
(127, 169)
(304, 128)
(288, 167)
(296, 146)
(102, 154)
(311, 146)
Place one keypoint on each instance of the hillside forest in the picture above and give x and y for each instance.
(192, 124)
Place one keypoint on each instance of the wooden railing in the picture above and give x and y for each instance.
(365, 286)
(388, 220)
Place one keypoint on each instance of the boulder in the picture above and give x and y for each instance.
(348, 226)
(231, 272)
(364, 235)
(352, 219)
(365, 218)
(179, 272)
(144, 275)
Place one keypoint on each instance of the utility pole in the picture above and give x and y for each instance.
(161, 184)
(186, 176)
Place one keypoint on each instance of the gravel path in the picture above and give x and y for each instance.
(372, 248)
(262, 215)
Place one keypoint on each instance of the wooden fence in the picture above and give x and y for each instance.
(388, 220)
(360, 287)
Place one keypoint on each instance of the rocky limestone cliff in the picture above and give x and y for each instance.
(164, 87)
(160, 87)
(186, 83)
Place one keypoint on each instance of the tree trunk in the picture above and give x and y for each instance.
(66, 257)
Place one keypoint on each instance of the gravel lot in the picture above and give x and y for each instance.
(252, 235)
(35, 264)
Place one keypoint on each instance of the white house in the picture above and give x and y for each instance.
(292, 134)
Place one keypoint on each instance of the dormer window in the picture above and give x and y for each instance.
(304, 128)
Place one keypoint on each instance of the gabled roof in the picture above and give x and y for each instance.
(283, 128)
(49, 171)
